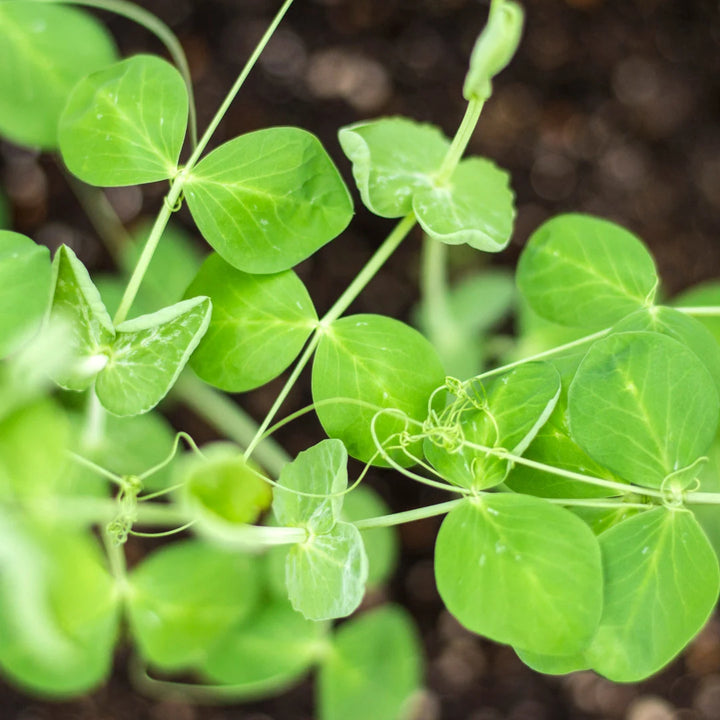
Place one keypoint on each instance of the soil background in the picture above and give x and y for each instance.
(611, 107)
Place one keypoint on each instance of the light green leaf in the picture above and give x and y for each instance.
(58, 609)
(271, 650)
(703, 295)
(381, 543)
(25, 286)
(44, 50)
(77, 302)
(585, 272)
(148, 354)
(521, 571)
(326, 574)
(683, 328)
(258, 326)
(709, 477)
(642, 405)
(368, 363)
(392, 159)
(661, 584)
(269, 199)
(320, 471)
(185, 597)
(373, 668)
(125, 124)
(503, 411)
(476, 206)
(222, 487)
(553, 664)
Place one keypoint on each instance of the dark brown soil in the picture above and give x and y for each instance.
(611, 107)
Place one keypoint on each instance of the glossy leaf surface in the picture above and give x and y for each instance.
(44, 50)
(380, 362)
(508, 558)
(642, 405)
(585, 272)
(25, 287)
(269, 199)
(125, 124)
(259, 325)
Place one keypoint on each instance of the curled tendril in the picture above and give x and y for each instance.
(120, 526)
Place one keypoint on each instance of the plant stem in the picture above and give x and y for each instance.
(433, 286)
(149, 250)
(702, 311)
(150, 22)
(702, 498)
(409, 515)
(228, 417)
(94, 467)
(460, 141)
(212, 127)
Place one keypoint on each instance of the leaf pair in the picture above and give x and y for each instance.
(396, 165)
(325, 574)
(133, 365)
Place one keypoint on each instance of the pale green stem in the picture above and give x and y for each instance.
(94, 467)
(212, 127)
(702, 498)
(94, 427)
(116, 559)
(703, 311)
(400, 518)
(228, 417)
(149, 250)
(433, 285)
(460, 141)
(150, 22)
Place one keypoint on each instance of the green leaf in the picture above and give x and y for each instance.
(185, 597)
(703, 295)
(258, 326)
(553, 664)
(642, 405)
(502, 411)
(58, 609)
(381, 543)
(147, 355)
(661, 584)
(585, 272)
(320, 471)
(222, 487)
(373, 668)
(269, 199)
(25, 286)
(373, 360)
(521, 571)
(393, 159)
(125, 124)
(326, 574)
(476, 206)
(77, 302)
(44, 50)
(271, 650)
(683, 328)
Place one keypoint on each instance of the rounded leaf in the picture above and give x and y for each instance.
(259, 325)
(269, 199)
(125, 124)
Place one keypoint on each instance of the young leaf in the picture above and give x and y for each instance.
(476, 206)
(77, 302)
(515, 405)
(125, 124)
(661, 584)
(392, 160)
(44, 50)
(25, 285)
(326, 574)
(321, 472)
(382, 363)
(642, 405)
(267, 200)
(273, 648)
(58, 609)
(185, 597)
(521, 571)
(148, 354)
(585, 272)
(553, 664)
(703, 295)
(221, 487)
(372, 669)
(258, 326)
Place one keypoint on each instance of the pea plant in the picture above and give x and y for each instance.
(579, 475)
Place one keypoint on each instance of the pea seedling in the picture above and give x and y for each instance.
(575, 474)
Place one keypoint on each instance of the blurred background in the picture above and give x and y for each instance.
(611, 107)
